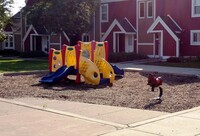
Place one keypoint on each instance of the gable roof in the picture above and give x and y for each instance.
(128, 27)
(8, 28)
(168, 23)
(171, 23)
(31, 28)
(40, 29)
(124, 25)
(17, 15)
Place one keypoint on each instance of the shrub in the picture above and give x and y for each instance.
(9, 53)
(184, 59)
(119, 57)
(174, 59)
(192, 59)
(33, 54)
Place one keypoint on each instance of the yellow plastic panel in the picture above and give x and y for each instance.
(70, 56)
(56, 60)
(86, 48)
(100, 50)
(89, 71)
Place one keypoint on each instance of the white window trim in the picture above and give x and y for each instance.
(85, 34)
(191, 38)
(139, 10)
(101, 13)
(102, 35)
(193, 14)
(9, 42)
(148, 9)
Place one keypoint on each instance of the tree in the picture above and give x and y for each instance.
(4, 16)
(71, 16)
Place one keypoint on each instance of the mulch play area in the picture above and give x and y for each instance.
(180, 92)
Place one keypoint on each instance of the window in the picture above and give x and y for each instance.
(8, 43)
(149, 9)
(195, 37)
(104, 13)
(130, 40)
(129, 43)
(85, 37)
(195, 8)
(141, 10)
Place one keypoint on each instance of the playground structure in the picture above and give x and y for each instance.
(86, 59)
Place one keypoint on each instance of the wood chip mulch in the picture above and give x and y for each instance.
(180, 92)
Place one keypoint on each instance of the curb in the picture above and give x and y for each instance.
(163, 117)
(64, 113)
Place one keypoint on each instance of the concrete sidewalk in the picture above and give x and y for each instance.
(116, 115)
(42, 117)
(132, 66)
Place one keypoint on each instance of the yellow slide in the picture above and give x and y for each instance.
(89, 71)
(105, 68)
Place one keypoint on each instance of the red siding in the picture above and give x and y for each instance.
(110, 38)
(145, 49)
(64, 40)
(120, 10)
(143, 26)
(180, 11)
(169, 44)
(27, 41)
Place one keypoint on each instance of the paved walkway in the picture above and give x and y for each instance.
(132, 66)
(43, 117)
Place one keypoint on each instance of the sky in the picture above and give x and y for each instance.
(18, 4)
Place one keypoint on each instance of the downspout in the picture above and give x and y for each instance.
(178, 48)
(21, 19)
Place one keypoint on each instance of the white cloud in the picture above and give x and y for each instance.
(18, 4)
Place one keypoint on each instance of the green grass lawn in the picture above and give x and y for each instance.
(177, 64)
(17, 65)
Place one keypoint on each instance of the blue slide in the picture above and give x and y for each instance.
(60, 74)
(118, 71)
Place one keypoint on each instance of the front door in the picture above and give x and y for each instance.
(36, 43)
(40, 43)
(158, 45)
(129, 44)
(45, 44)
(121, 42)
